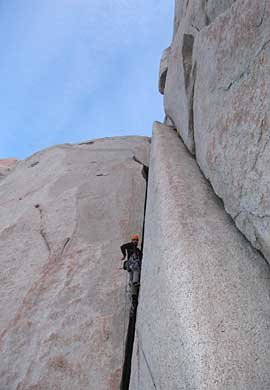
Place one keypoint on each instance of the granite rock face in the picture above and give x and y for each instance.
(6, 166)
(217, 96)
(191, 16)
(64, 213)
(163, 69)
(231, 115)
(208, 289)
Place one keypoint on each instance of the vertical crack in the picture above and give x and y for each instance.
(190, 73)
(126, 371)
(64, 245)
(42, 229)
(191, 107)
(187, 53)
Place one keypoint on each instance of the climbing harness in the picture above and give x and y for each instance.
(134, 263)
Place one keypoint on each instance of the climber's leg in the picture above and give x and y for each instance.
(136, 277)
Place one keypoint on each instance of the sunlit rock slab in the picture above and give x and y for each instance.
(65, 211)
(204, 307)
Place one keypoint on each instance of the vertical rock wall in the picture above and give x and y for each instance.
(63, 304)
(204, 310)
(216, 94)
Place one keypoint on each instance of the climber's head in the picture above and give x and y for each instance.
(135, 239)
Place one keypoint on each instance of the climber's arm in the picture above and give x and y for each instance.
(124, 250)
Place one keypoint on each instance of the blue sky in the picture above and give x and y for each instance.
(72, 70)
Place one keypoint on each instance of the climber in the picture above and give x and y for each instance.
(134, 259)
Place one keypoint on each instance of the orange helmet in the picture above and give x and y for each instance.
(135, 237)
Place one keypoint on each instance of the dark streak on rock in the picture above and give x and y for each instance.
(187, 53)
(145, 168)
(33, 164)
(87, 143)
(102, 174)
(65, 244)
(190, 73)
(196, 28)
(262, 17)
(137, 160)
(42, 229)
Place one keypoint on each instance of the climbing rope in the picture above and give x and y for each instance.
(145, 359)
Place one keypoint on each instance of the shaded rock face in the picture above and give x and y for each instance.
(217, 96)
(64, 213)
(6, 166)
(163, 69)
(208, 289)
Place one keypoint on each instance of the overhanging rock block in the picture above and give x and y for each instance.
(204, 307)
(163, 70)
(179, 88)
(191, 18)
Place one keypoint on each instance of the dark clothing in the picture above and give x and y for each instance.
(129, 249)
(133, 262)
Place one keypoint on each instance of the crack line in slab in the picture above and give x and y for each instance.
(246, 70)
(262, 17)
(64, 246)
(137, 160)
(42, 229)
(129, 342)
